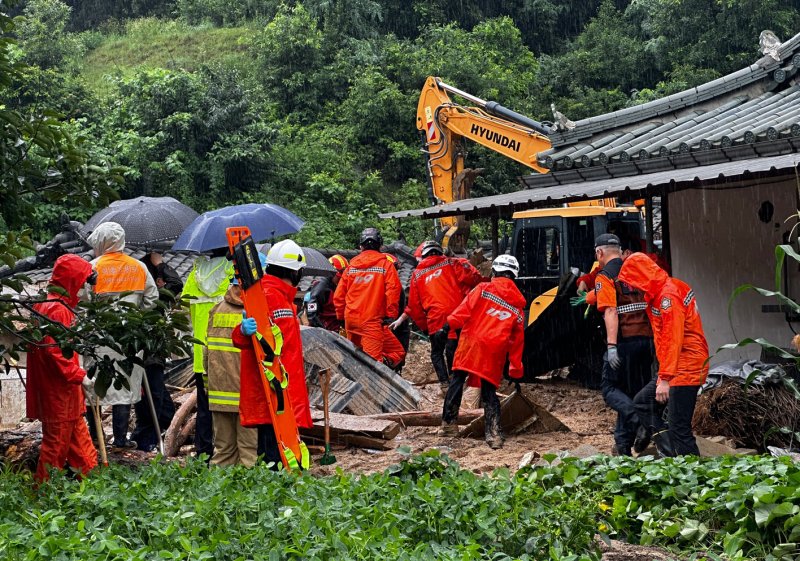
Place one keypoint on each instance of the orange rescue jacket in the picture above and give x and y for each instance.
(369, 290)
(54, 391)
(438, 286)
(681, 346)
(252, 401)
(492, 331)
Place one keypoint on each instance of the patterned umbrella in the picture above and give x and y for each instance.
(146, 220)
(266, 221)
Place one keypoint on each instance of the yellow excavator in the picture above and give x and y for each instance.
(550, 244)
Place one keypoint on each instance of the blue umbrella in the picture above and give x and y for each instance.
(266, 221)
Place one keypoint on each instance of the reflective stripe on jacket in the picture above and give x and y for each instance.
(222, 358)
(252, 405)
(369, 289)
(438, 286)
(492, 331)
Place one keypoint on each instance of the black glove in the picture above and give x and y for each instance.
(443, 332)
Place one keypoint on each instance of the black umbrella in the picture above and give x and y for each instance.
(146, 220)
(317, 265)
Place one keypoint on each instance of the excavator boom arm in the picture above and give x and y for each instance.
(445, 124)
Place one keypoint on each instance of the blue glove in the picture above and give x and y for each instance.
(613, 358)
(249, 326)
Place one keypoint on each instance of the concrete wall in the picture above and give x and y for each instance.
(12, 398)
(719, 243)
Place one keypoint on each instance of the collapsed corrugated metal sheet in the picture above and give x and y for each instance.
(613, 186)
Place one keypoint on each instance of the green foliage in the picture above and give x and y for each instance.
(427, 509)
(311, 104)
(224, 12)
(151, 43)
(43, 37)
(734, 508)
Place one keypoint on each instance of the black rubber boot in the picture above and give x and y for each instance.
(643, 438)
(664, 444)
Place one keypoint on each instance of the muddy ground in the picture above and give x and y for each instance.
(581, 410)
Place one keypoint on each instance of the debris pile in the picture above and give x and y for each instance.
(752, 416)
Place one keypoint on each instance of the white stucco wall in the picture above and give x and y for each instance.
(719, 243)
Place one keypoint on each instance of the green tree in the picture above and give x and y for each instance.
(290, 59)
(43, 36)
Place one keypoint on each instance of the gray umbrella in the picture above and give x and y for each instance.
(317, 265)
(146, 220)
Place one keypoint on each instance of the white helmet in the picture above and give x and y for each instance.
(286, 254)
(506, 263)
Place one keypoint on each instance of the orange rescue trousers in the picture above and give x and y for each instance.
(65, 442)
(378, 341)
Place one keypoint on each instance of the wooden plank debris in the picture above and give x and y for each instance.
(426, 418)
(518, 414)
(355, 425)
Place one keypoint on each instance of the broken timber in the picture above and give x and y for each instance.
(352, 430)
(518, 414)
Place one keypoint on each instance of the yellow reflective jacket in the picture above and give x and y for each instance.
(207, 284)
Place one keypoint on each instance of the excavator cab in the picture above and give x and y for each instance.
(554, 246)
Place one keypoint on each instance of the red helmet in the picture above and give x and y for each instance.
(418, 251)
(339, 262)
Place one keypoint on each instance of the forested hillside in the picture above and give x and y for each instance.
(311, 104)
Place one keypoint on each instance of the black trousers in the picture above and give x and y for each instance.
(267, 448)
(491, 405)
(620, 386)
(203, 431)
(120, 417)
(145, 431)
(680, 410)
(443, 351)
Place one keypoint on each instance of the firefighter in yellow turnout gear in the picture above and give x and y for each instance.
(233, 443)
(206, 285)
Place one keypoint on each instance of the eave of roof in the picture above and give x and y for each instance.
(632, 186)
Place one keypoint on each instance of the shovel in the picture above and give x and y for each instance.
(149, 395)
(98, 424)
(325, 383)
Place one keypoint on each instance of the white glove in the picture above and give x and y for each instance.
(88, 385)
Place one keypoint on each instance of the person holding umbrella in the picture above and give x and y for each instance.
(120, 276)
(207, 284)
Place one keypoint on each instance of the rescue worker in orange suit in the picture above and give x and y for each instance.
(681, 350)
(627, 364)
(56, 384)
(492, 327)
(367, 299)
(402, 332)
(438, 286)
(320, 309)
(285, 263)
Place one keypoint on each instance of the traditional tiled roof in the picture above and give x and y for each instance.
(755, 104)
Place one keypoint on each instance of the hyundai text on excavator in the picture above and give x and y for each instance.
(551, 244)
